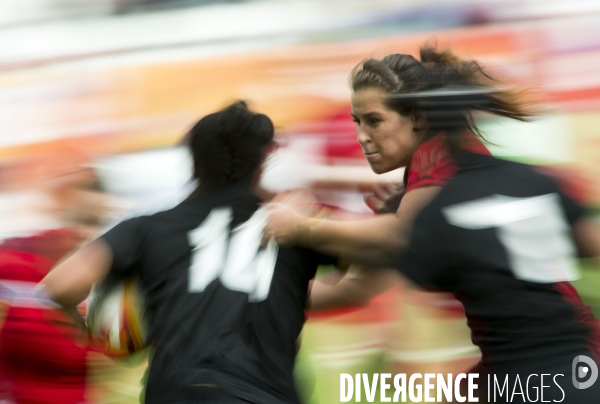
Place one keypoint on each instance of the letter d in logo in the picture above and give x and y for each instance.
(583, 371)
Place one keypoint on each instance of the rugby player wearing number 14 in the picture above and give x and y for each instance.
(226, 313)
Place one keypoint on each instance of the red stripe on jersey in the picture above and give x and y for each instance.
(583, 315)
(432, 163)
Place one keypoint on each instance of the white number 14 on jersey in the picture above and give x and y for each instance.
(236, 259)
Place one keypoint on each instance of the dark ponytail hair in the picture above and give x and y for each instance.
(442, 88)
(228, 146)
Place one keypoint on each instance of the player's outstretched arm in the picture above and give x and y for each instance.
(376, 241)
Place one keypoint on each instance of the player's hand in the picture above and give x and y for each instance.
(385, 198)
(290, 215)
(285, 225)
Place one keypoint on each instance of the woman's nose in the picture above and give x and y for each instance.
(361, 136)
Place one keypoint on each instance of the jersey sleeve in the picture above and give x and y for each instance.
(424, 263)
(126, 242)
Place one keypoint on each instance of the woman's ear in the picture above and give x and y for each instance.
(418, 119)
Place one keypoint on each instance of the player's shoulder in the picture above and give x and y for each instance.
(129, 226)
(490, 169)
(520, 174)
(477, 174)
(483, 176)
(181, 210)
(194, 211)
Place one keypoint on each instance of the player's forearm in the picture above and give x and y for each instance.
(374, 241)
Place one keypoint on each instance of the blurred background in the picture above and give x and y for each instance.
(95, 96)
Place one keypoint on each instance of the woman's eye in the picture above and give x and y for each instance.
(356, 121)
(374, 121)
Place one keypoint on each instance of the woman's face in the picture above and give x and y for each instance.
(387, 138)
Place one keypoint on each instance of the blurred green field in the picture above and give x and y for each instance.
(589, 285)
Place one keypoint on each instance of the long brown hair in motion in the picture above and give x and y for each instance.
(443, 88)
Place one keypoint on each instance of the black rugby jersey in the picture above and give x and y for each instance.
(225, 312)
(498, 236)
